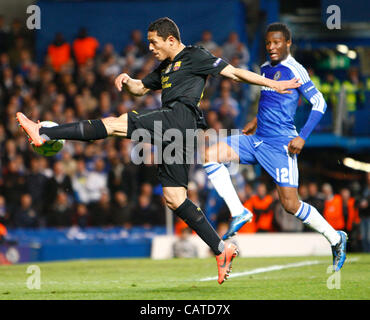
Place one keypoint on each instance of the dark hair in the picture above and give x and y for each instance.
(165, 27)
(283, 28)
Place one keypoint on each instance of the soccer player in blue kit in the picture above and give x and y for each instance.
(275, 144)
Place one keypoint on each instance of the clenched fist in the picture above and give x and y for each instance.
(121, 79)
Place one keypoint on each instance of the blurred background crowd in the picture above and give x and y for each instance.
(96, 184)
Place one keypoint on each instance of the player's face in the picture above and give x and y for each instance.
(277, 46)
(159, 47)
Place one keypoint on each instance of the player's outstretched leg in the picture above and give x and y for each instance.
(185, 209)
(220, 178)
(85, 130)
(309, 215)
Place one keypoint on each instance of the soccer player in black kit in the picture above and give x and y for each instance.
(181, 76)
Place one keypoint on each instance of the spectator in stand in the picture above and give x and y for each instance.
(146, 212)
(25, 216)
(3, 233)
(61, 212)
(333, 208)
(351, 218)
(183, 247)
(4, 214)
(81, 216)
(36, 184)
(303, 192)
(14, 185)
(137, 46)
(207, 42)
(96, 182)
(315, 198)
(59, 52)
(4, 35)
(283, 221)
(233, 47)
(101, 211)
(226, 116)
(84, 47)
(226, 98)
(149, 103)
(136, 51)
(106, 54)
(330, 89)
(121, 210)
(354, 90)
(122, 177)
(17, 30)
(59, 182)
(314, 78)
(15, 51)
(261, 206)
(364, 213)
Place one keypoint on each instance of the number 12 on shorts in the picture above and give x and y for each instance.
(282, 175)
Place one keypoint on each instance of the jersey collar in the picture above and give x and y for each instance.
(282, 61)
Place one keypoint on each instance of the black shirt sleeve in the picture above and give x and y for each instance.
(205, 63)
(153, 80)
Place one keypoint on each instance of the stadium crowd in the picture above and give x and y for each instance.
(96, 184)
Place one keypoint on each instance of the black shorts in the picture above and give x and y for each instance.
(176, 116)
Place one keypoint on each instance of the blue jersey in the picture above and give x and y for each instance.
(276, 111)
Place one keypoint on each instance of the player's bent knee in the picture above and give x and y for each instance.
(116, 126)
(174, 197)
(220, 152)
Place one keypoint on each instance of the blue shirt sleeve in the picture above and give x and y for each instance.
(310, 92)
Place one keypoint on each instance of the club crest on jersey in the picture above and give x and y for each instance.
(177, 66)
(277, 75)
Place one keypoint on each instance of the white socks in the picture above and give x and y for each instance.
(312, 218)
(220, 178)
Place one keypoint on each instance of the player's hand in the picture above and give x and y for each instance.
(295, 146)
(120, 80)
(250, 127)
(282, 86)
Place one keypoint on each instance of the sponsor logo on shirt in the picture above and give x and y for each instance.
(165, 83)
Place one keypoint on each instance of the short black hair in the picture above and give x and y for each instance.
(165, 27)
(278, 26)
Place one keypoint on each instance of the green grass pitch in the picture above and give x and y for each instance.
(179, 279)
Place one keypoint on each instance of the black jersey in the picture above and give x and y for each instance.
(184, 78)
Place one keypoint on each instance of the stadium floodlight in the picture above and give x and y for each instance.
(342, 48)
(352, 54)
(357, 165)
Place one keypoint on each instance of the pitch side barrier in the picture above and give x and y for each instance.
(253, 245)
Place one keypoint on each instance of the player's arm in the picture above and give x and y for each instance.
(133, 86)
(243, 75)
(250, 127)
(309, 91)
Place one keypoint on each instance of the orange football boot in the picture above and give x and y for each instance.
(31, 129)
(224, 261)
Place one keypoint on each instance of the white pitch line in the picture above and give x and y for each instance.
(274, 268)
